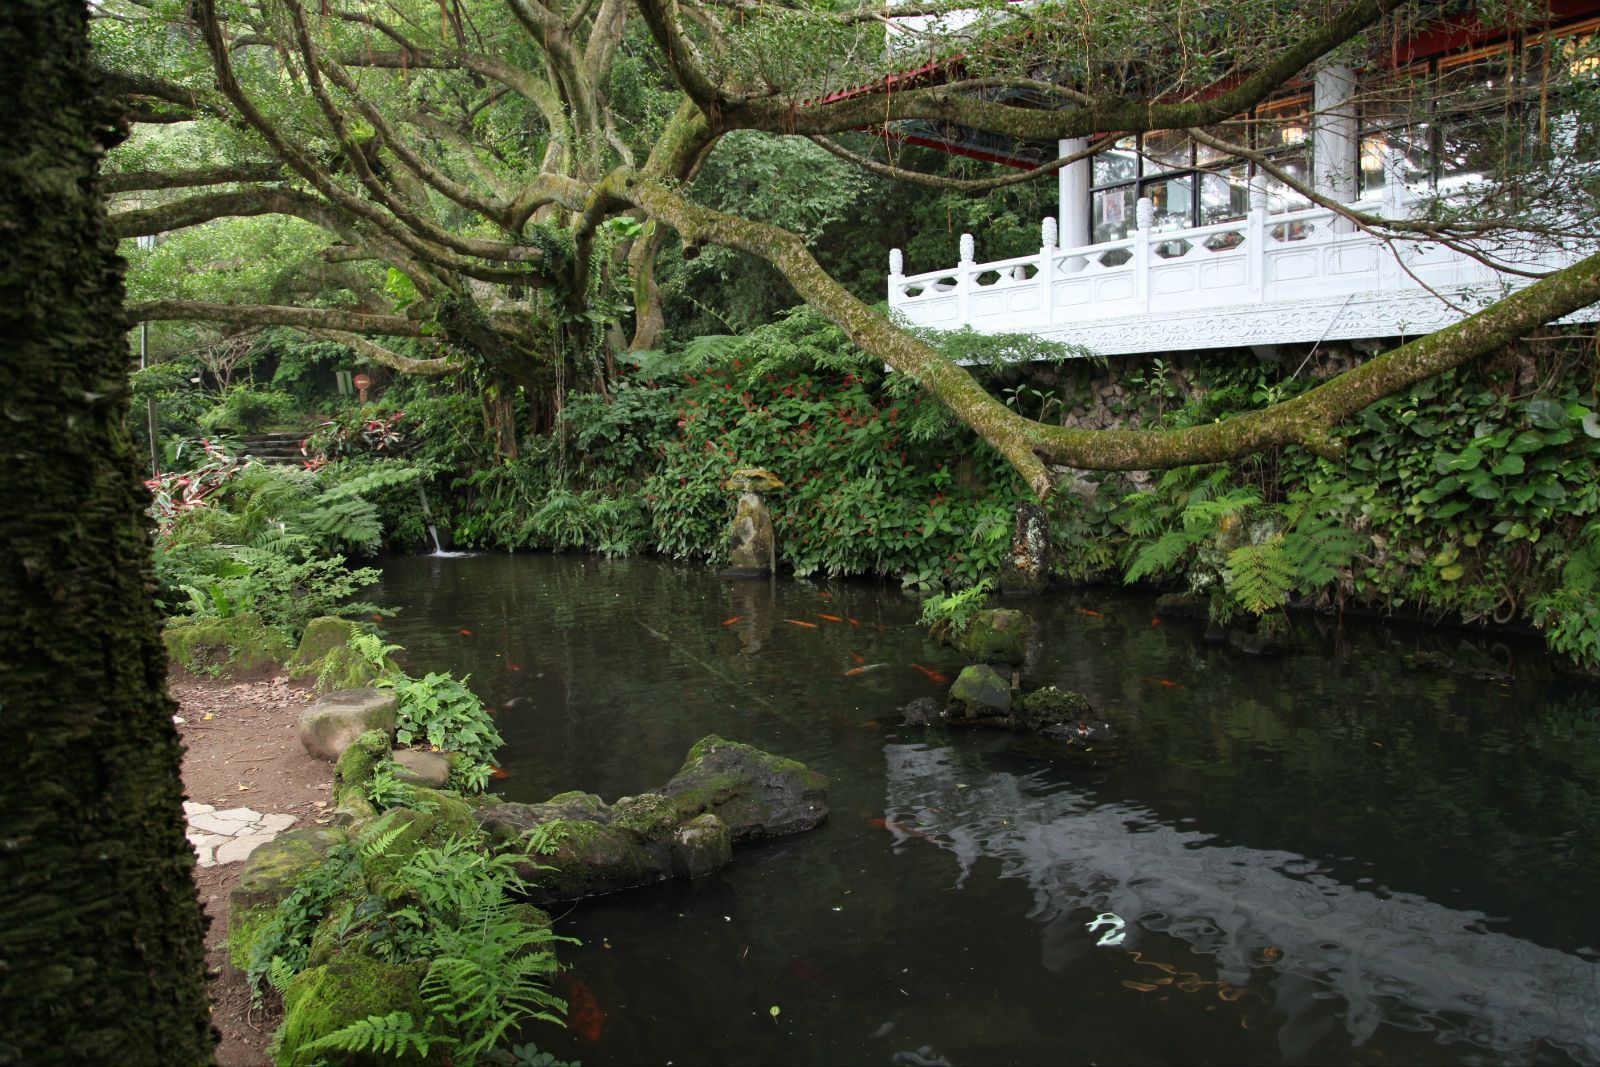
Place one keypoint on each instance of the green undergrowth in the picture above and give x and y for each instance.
(405, 941)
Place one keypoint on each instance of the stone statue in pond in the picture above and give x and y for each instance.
(752, 544)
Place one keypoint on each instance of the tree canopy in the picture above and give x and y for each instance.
(487, 186)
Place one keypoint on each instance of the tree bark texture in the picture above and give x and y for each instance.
(101, 938)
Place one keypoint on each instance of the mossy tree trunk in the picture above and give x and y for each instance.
(101, 939)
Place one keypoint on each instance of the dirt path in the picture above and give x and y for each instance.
(243, 751)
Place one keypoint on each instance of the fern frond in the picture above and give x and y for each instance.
(381, 844)
(1260, 576)
(394, 1034)
(280, 972)
(1162, 554)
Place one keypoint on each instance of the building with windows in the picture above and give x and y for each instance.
(1168, 242)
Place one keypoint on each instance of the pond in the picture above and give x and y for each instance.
(1322, 857)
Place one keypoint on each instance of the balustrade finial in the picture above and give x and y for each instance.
(1049, 232)
(897, 262)
(1144, 213)
(969, 248)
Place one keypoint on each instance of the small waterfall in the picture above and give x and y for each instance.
(433, 530)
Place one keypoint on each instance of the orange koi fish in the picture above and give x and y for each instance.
(896, 826)
(851, 621)
(731, 619)
(584, 1014)
(466, 633)
(1088, 612)
(857, 657)
(1155, 622)
(498, 773)
(377, 618)
(830, 618)
(825, 596)
(870, 724)
(1165, 682)
(853, 671)
(934, 675)
(882, 628)
(513, 667)
(797, 622)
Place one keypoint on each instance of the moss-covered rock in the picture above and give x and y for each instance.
(980, 695)
(755, 793)
(330, 725)
(1049, 705)
(226, 648)
(649, 817)
(437, 817)
(1060, 724)
(586, 859)
(346, 989)
(325, 656)
(271, 874)
(700, 846)
(996, 635)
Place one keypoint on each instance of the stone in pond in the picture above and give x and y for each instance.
(700, 846)
(1026, 568)
(755, 793)
(980, 695)
(414, 766)
(328, 726)
(923, 711)
(1060, 724)
(997, 635)
(752, 544)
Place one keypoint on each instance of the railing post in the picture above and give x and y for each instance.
(964, 275)
(897, 274)
(1047, 271)
(1255, 241)
(1144, 214)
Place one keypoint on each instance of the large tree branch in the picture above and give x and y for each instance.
(139, 180)
(273, 315)
(426, 368)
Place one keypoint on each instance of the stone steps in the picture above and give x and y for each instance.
(275, 446)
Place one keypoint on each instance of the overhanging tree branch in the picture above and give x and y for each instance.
(274, 315)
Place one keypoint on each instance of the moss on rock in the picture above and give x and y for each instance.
(755, 793)
(270, 874)
(587, 859)
(346, 989)
(998, 635)
(226, 648)
(649, 816)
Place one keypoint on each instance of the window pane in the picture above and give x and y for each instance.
(1167, 150)
(1283, 124)
(1112, 216)
(1281, 197)
(1225, 194)
(1416, 157)
(1174, 202)
(1119, 163)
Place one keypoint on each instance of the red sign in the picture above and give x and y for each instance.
(362, 382)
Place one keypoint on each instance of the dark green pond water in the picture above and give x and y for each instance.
(1317, 858)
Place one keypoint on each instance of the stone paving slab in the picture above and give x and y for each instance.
(230, 835)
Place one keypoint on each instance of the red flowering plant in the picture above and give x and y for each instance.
(367, 431)
(177, 492)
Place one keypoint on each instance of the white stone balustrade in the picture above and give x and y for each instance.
(1299, 276)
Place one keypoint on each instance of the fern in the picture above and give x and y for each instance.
(381, 844)
(374, 479)
(280, 972)
(394, 1034)
(1318, 550)
(1260, 576)
(1162, 554)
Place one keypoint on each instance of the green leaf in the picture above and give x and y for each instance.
(1452, 572)
(1509, 465)
(1527, 441)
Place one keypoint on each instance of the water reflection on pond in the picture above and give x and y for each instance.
(1322, 857)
